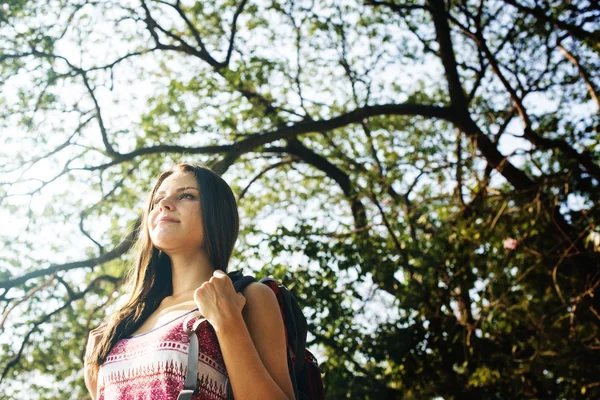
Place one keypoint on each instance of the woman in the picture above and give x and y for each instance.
(186, 238)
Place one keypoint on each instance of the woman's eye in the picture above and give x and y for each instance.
(158, 199)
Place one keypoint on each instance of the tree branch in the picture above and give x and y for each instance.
(288, 161)
(351, 117)
(236, 15)
(584, 159)
(583, 74)
(574, 30)
(458, 99)
(76, 296)
(340, 177)
(118, 251)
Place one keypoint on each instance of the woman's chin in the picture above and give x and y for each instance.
(166, 242)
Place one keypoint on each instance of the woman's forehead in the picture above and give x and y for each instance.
(178, 180)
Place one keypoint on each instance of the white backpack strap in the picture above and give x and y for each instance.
(191, 377)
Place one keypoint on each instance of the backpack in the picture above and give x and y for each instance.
(302, 364)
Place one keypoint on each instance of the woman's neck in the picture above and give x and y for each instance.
(189, 272)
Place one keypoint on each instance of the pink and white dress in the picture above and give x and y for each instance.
(152, 365)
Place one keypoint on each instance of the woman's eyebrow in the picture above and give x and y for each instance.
(181, 189)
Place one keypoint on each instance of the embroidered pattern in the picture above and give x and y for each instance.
(152, 365)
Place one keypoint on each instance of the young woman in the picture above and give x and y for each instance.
(186, 238)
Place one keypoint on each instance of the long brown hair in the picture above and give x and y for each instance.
(149, 279)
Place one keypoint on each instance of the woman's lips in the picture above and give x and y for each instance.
(164, 219)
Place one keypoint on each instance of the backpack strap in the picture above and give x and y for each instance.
(240, 281)
(191, 377)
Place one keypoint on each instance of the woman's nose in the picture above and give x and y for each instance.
(165, 204)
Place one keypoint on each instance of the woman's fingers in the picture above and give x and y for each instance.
(217, 300)
(93, 339)
(219, 274)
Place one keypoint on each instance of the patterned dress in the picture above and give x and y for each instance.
(152, 365)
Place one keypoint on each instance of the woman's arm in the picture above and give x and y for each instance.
(91, 383)
(251, 336)
(264, 323)
(254, 348)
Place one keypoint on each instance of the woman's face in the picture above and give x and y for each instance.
(177, 199)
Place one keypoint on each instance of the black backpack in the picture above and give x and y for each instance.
(302, 364)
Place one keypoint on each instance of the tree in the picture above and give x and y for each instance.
(423, 175)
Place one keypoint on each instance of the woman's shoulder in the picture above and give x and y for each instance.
(257, 292)
(261, 304)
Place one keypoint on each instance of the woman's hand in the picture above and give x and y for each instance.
(93, 339)
(218, 301)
